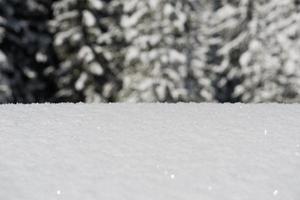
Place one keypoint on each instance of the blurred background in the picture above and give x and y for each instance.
(149, 51)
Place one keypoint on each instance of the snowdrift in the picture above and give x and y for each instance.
(150, 151)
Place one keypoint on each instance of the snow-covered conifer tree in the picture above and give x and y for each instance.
(160, 61)
(5, 84)
(88, 43)
(271, 65)
(26, 44)
(228, 36)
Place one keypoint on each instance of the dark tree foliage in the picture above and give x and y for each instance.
(27, 45)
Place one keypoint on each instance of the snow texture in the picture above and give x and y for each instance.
(150, 151)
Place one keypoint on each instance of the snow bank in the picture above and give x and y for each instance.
(150, 151)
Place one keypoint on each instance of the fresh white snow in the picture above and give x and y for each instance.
(150, 151)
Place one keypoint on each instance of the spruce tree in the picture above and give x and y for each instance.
(26, 44)
(160, 58)
(87, 41)
(270, 66)
(5, 82)
(228, 36)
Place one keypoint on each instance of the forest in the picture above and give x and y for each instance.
(149, 51)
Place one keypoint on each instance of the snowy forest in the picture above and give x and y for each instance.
(149, 51)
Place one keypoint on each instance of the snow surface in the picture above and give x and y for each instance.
(150, 151)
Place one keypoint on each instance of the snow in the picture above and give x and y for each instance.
(150, 151)
(88, 18)
(81, 81)
(98, 4)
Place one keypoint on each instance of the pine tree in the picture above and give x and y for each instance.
(228, 36)
(5, 83)
(88, 42)
(270, 66)
(198, 82)
(160, 57)
(149, 50)
(26, 44)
